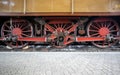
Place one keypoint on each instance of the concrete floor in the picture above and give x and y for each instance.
(59, 63)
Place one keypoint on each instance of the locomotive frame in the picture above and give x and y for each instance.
(59, 28)
(55, 31)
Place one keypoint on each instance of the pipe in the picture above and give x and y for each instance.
(72, 6)
(24, 10)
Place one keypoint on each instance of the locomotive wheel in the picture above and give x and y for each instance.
(64, 34)
(19, 28)
(101, 27)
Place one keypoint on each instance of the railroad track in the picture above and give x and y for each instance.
(71, 48)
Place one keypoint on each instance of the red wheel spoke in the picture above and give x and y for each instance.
(18, 25)
(21, 26)
(112, 27)
(97, 25)
(25, 27)
(94, 27)
(7, 26)
(49, 28)
(93, 30)
(55, 25)
(102, 24)
(12, 25)
(52, 27)
(25, 35)
(64, 26)
(72, 29)
(27, 31)
(15, 26)
(61, 25)
(58, 25)
(68, 27)
(94, 34)
(105, 25)
(109, 24)
(6, 30)
(114, 31)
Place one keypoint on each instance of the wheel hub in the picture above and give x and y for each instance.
(61, 38)
(17, 31)
(103, 31)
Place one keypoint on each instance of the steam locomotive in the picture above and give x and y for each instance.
(59, 23)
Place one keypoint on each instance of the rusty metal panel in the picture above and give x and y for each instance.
(114, 5)
(48, 6)
(11, 6)
(96, 5)
(59, 6)
(91, 5)
(38, 5)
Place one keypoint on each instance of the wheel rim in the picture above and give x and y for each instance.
(20, 28)
(101, 27)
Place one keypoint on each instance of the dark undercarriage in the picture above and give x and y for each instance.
(59, 32)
